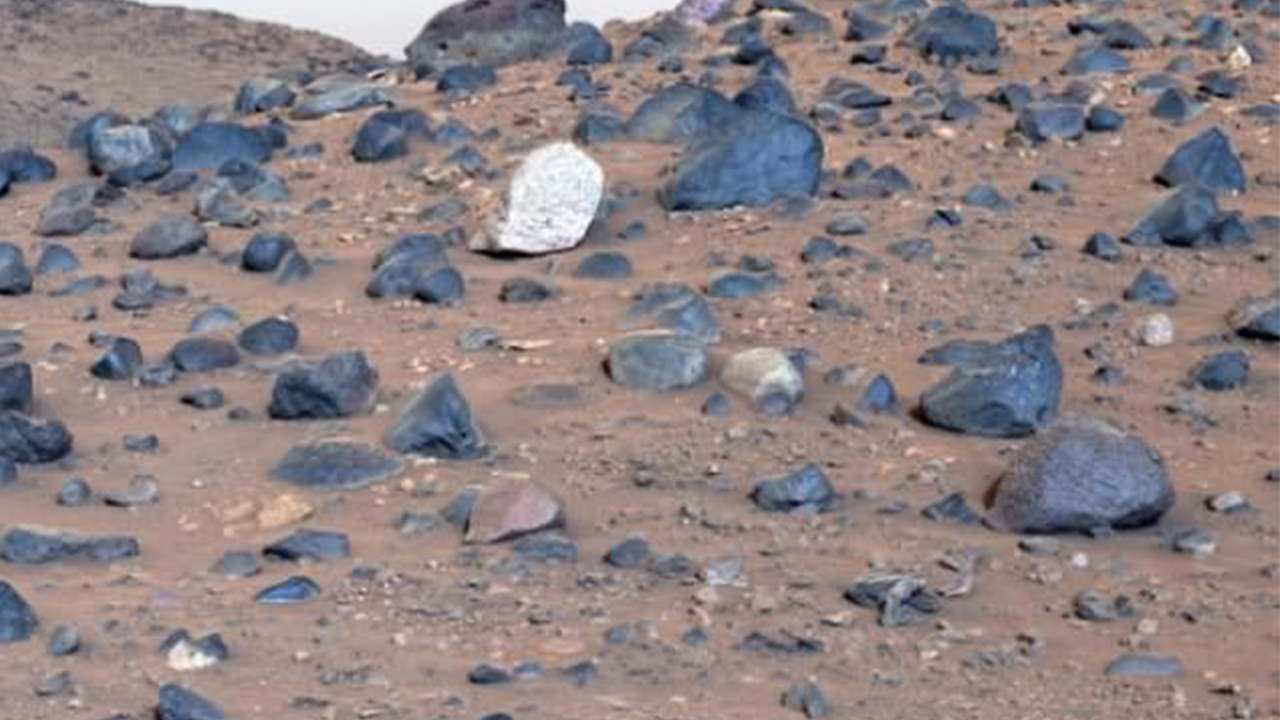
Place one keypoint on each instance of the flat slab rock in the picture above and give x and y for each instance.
(510, 513)
(336, 465)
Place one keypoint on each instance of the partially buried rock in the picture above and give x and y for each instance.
(1257, 318)
(272, 336)
(549, 205)
(437, 423)
(901, 598)
(1080, 475)
(17, 620)
(760, 158)
(767, 377)
(29, 441)
(335, 465)
(341, 385)
(808, 698)
(297, 589)
(1221, 371)
(179, 703)
(511, 513)
(33, 545)
(658, 361)
(315, 545)
(806, 489)
(204, 354)
(265, 251)
(122, 361)
(169, 237)
(1144, 665)
(1005, 389)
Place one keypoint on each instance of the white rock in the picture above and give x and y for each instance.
(549, 205)
(764, 375)
(1155, 330)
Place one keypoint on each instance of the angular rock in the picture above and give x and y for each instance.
(315, 545)
(806, 489)
(294, 590)
(760, 158)
(1152, 288)
(263, 94)
(31, 545)
(1080, 475)
(951, 34)
(807, 698)
(16, 387)
(169, 237)
(1208, 161)
(339, 386)
(218, 202)
(28, 441)
(385, 134)
(336, 465)
(767, 377)
(1045, 121)
(658, 361)
(18, 621)
(1257, 318)
(179, 703)
(15, 276)
(901, 598)
(345, 97)
(550, 203)
(57, 260)
(24, 165)
(269, 337)
(1221, 371)
(1009, 390)
(129, 154)
(437, 423)
(513, 512)
(674, 307)
(203, 354)
(682, 114)
(440, 286)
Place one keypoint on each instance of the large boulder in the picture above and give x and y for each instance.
(437, 423)
(26, 440)
(490, 32)
(681, 114)
(549, 205)
(760, 158)
(1079, 475)
(955, 33)
(1005, 389)
(211, 145)
(129, 154)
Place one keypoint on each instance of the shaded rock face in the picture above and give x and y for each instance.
(490, 32)
(339, 386)
(17, 620)
(658, 361)
(1004, 389)
(1080, 475)
(437, 423)
(762, 157)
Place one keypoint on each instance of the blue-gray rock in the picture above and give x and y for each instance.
(129, 154)
(168, 237)
(1207, 160)
(18, 621)
(385, 134)
(900, 598)
(15, 276)
(628, 554)
(807, 698)
(805, 489)
(211, 145)
(952, 508)
(1088, 60)
(272, 336)
(604, 265)
(57, 259)
(203, 354)
(335, 465)
(217, 201)
(1188, 218)
(1225, 370)
(343, 98)
(954, 33)
(1175, 106)
(179, 703)
(254, 182)
(294, 268)
(24, 165)
(1048, 121)
(263, 94)
(15, 387)
(214, 319)
(766, 93)
(546, 547)
(1152, 288)
(122, 361)
(339, 386)
(1104, 119)
(1080, 475)
(682, 114)
(1009, 389)
(316, 545)
(265, 251)
(1104, 246)
(437, 423)
(29, 441)
(30, 545)
(674, 307)
(760, 158)
(733, 285)
(466, 79)
(659, 361)
(297, 589)
(1257, 318)
(443, 285)
(985, 196)
(1144, 665)
(586, 45)
(495, 32)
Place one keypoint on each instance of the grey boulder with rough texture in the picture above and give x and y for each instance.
(17, 620)
(490, 32)
(1079, 475)
(168, 237)
(339, 386)
(658, 361)
(26, 440)
(437, 423)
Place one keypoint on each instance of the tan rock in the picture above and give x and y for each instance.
(284, 510)
(511, 512)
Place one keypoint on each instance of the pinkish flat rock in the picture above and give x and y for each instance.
(509, 513)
